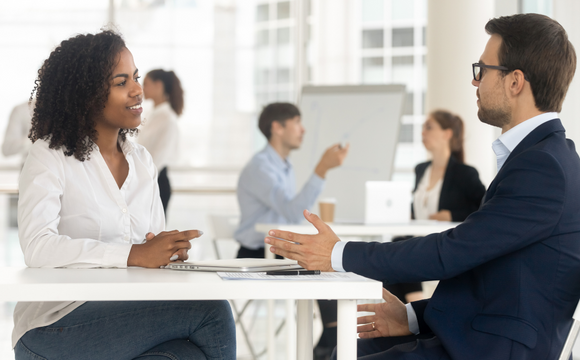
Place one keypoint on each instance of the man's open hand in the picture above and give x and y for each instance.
(389, 319)
(313, 252)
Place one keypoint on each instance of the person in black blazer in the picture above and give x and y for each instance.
(510, 273)
(460, 189)
(446, 189)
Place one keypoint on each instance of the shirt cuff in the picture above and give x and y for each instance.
(336, 257)
(412, 319)
(116, 255)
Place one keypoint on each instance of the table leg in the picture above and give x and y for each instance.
(346, 347)
(290, 330)
(304, 345)
(271, 345)
(271, 331)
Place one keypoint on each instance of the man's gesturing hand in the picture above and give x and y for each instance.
(332, 157)
(390, 318)
(312, 252)
(158, 250)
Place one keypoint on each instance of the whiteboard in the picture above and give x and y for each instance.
(366, 116)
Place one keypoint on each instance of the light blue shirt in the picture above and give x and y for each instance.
(507, 142)
(502, 147)
(267, 194)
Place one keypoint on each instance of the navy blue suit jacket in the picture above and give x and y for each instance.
(510, 274)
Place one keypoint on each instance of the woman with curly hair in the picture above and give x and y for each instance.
(160, 132)
(88, 199)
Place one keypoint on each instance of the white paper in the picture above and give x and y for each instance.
(325, 276)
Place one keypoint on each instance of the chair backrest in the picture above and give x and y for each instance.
(223, 228)
(572, 335)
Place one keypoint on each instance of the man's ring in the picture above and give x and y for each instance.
(373, 324)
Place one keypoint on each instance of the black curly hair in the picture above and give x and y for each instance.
(71, 92)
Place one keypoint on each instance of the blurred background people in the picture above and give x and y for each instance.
(160, 132)
(16, 140)
(446, 189)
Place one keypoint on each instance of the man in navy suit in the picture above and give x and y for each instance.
(510, 274)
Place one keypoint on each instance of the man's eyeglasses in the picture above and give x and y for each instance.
(478, 69)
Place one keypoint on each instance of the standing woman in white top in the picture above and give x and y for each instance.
(446, 189)
(160, 133)
(89, 199)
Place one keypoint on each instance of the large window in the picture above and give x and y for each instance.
(393, 51)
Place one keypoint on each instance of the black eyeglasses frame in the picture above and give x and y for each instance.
(483, 66)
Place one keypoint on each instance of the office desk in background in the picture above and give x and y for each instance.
(413, 227)
(27, 284)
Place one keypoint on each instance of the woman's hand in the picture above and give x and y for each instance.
(160, 250)
(390, 318)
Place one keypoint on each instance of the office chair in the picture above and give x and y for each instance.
(223, 228)
(572, 335)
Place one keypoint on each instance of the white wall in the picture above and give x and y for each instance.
(567, 12)
(454, 42)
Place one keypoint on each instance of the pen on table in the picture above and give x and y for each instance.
(293, 272)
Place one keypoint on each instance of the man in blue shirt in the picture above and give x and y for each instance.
(267, 193)
(267, 185)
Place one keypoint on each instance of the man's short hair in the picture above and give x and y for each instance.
(539, 47)
(279, 112)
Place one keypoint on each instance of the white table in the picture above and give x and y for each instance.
(26, 284)
(413, 227)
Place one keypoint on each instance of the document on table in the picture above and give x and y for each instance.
(326, 276)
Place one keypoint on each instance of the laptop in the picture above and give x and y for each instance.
(388, 202)
(236, 265)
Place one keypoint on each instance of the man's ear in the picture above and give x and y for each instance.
(517, 82)
(277, 127)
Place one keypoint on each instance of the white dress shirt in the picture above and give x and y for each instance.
(159, 134)
(426, 201)
(502, 147)
(73, 214)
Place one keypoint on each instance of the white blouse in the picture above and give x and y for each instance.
(426, 202)
(73, 214)
(160, 135)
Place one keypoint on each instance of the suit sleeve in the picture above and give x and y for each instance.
(525, 207)
(473, 192)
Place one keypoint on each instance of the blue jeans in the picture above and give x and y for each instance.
(140, 330)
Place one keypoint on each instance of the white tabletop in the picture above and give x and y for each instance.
(27, 284)
(413, 227)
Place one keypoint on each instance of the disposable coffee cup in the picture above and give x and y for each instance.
(327, 206)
